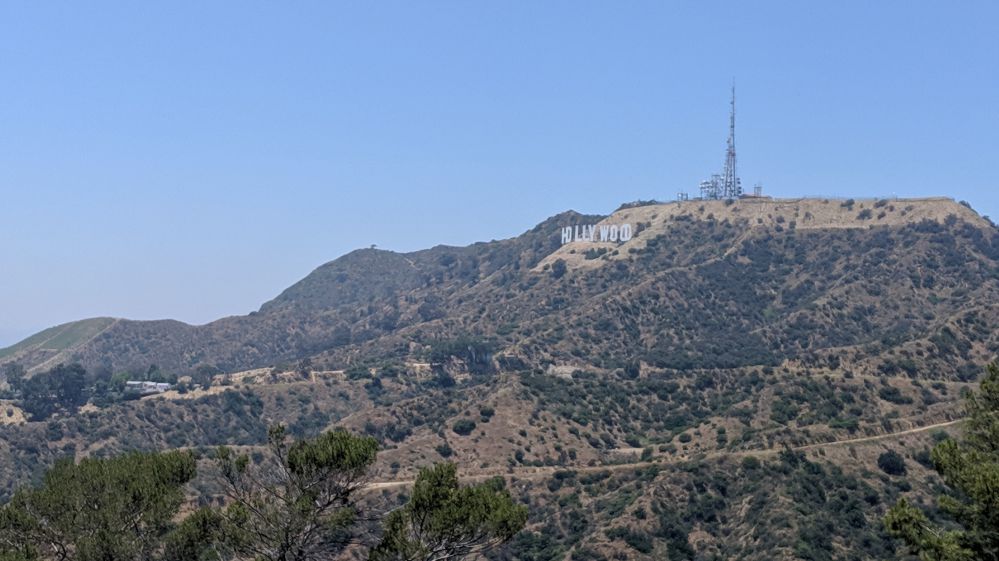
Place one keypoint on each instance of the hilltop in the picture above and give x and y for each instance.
(45, 344)
(773, 214)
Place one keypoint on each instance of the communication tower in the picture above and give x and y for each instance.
(731, 186)
(727, 184)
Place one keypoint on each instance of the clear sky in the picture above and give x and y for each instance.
(192, 159)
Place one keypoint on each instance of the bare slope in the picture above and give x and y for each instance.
(766, 213)
(50, 344)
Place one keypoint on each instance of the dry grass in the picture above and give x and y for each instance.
(804, 214)
(11, 414)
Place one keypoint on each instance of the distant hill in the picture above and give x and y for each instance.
(40, 347)
(701, 284)
(347, 301)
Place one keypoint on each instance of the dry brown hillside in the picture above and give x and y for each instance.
(718, 387)
(768, 213)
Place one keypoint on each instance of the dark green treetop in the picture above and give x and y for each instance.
(970, 467)
(298, 505)
(119, 508)
(444, 521)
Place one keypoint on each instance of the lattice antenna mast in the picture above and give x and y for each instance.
(731, 186)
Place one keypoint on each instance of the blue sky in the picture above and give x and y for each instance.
(192, 159)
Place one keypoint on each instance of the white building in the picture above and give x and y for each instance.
(146, 388)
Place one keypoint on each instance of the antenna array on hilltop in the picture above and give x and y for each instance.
(727, 184)
(731, 186)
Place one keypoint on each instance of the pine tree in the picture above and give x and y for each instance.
(299, 504)
(970, 467)
(444, 521)
(119, 508)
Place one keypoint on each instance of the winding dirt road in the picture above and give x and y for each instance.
(535, 472)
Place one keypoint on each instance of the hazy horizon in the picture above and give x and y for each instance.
(190, 161)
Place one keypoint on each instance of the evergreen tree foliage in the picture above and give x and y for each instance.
(970, 467)
(60, 390)
(118, 509)
(298, 505)
(444, 521)
(199, 537)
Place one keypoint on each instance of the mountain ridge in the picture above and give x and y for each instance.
(179, 334)
(362, 296)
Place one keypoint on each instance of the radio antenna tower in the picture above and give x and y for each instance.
(731, 186)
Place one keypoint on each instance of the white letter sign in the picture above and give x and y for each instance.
(588, 233)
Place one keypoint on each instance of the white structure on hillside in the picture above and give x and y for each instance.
(146, 388)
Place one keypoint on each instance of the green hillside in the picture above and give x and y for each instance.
(59, 338)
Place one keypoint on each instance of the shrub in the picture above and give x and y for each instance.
(891, 463)
(940, 435)
(558, 268)
(636, 539)
(357, 372)
(924, 459)
(851, 424)
(464, 427)
(893, 395)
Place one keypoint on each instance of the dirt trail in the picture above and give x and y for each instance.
(534, 472)
(880, 436)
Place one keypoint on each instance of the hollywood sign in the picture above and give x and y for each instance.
(594, 233)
